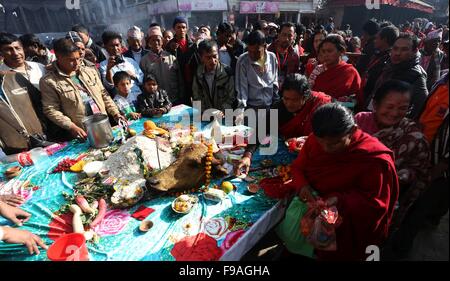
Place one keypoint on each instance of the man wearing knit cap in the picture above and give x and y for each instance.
(432, 57)
(134, 40)
(76, 39)
(186, 53)
(370, 30)
(162, 65)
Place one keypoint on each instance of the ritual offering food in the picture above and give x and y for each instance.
(101, 213)
(64, 165)
(145, 226)
(13, 172)
(215, 195)
(127, 194)
(183, 204)
(253, 188)
(77, 223)
(227, 186)
(92, 168)
(151, 130)
(295, 144)
(78, 167)
(192, 168)
(139, 152)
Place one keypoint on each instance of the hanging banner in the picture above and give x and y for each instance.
(202, 5)
(164, 7)
(259, 7)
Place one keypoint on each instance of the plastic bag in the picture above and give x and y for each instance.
(288, 229)
(318, 225)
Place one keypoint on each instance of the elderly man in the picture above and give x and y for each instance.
(71, 92)
(117, 62)
(432, 57)
(162, 65)
(134, 40)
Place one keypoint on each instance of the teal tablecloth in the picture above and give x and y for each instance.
(206, 233)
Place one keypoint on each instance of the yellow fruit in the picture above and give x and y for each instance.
(227, 186)
(78, 167)
(132, 132)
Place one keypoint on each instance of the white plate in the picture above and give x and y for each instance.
(190, 199)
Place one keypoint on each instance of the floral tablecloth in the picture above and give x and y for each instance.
(211, 231)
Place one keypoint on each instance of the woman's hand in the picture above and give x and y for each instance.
(135, 115)
(306, 194)
(244, 164)
(16, 215)
(30, 240)
(12, 200)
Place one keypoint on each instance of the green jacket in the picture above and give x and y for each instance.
(223, 94)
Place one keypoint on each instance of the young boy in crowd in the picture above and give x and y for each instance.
(153, 102)
(122, 84)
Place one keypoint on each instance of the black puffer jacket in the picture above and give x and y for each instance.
(148, 103)
(412, 73)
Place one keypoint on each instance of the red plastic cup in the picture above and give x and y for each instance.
(70, 247)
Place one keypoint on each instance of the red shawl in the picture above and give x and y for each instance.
(340, 81)
(365, 182)
(300, 124)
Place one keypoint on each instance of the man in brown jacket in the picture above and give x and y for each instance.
(71, 92)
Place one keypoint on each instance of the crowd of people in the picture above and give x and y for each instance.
(375, 108)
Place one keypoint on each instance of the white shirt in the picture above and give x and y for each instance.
(34, 72)
(129, 65)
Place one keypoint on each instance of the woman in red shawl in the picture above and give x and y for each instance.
(335, 77)
(294, 112)
(341, 161)
(312, 60)
(297, 106)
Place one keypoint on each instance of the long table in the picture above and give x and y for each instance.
(211, 231)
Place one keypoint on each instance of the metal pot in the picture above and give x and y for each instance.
(99, 130)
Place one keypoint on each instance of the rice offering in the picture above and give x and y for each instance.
(125, 165)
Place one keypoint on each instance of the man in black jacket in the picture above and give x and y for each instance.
(384, 40)
(186, 53)
(229, 51)
(83, 32)
(370, 29)
(404, 65)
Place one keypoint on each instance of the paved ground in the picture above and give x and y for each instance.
(430, 245)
